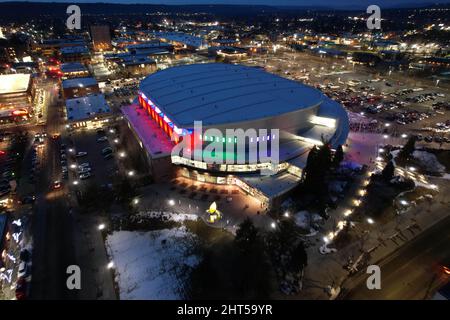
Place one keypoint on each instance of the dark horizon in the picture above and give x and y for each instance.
(344, 4)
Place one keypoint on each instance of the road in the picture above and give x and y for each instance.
(52, 225)
(413, 272)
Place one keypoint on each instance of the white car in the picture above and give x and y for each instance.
(84, 170)
(84, 164)
(85, 175)
(101, 139)
(81, 154)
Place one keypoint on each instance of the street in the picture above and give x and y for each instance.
(412, 272)
(52, 225)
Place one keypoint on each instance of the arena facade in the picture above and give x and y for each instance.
(224, 97)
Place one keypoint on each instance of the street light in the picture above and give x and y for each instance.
(171, 202)
(370, 221)
(286, 214)
(131, 173)
(273, 225)
(110, 265)
(412, 169)
(385, 136)
(101, 226)
(404, 135)
(135, 201)
(122, 154)
(75, 182)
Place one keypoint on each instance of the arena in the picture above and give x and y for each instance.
(227, 96)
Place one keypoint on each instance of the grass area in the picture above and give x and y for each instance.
(378, 202)
(207, 233)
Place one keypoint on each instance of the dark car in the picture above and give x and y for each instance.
(21, 289)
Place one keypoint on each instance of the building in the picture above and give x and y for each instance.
(72, 70)
(89, 112)
(101, 37)
(79, 87)
(228, 53)
(226, 96)
(17, 93)
(75, 54)
(138, 66)
(182, 41)
(49, 47)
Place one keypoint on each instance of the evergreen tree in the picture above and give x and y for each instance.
(408, 148)
(338, 156)
(388, 171)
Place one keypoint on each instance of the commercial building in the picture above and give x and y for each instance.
(138, 66)
(101, 37)
(225, 96)
(75, 54)
(90, 111)
(182, 41)
(16, 92)
(72, 70)
(78, 87)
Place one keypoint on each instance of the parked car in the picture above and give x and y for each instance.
(102, 139)
(81, 154)
(22, 289)
(106, 150)
(86, 175)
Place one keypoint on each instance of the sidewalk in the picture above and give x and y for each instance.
(379, 242)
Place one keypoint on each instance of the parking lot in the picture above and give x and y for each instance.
(396, 101)
(83, 160)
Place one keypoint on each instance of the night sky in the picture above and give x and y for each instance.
(325, 3)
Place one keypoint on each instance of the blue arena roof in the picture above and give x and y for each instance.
(219, 93)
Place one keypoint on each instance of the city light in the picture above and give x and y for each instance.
(370, 221)
(116, 140)
(110, 265)
(73, 166)
(381, 150)
(135, 201)
(122, 154)
(412, 169)
(101, 226)
(348, 212)
(273, 225)
(385, 136)
(75, 182)
(171, 202)
(403, 202)
(286, 214)
(131, 173)
(404, 135)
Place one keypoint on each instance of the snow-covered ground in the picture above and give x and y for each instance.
(302, 219)
(429, 161)
(153, 265)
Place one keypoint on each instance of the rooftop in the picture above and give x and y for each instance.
(79, 82)
(185, 38)
(74, 50)
(72, 67)
(272, 186)
(14, 83)
(219, 93)
(155, 141)
(86, 107)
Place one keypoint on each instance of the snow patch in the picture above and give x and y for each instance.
(153, 265)
(429, 161)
